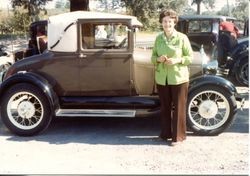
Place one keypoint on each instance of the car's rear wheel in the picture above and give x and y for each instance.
(25, 110)
(210, 110)
(242, 73)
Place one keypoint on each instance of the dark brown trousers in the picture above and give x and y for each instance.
(173, 100)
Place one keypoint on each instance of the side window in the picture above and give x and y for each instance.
(104, 36)
(199, 26)
(240, 25)
(206, 26)
(193, 27)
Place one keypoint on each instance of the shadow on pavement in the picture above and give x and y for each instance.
(115, 131)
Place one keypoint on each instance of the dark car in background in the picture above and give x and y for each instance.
(33, 42)
(203, 32)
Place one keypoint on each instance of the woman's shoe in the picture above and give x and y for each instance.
(166, 138)
(174, 143)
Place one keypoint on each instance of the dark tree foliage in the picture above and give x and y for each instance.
(148, 11)
(207, 3)
(33, 6)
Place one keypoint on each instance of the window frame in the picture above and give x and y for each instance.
(126, 22)
(199, 21)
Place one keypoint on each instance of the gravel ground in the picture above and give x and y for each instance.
(124, 146)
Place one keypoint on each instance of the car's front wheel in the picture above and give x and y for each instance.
(210, 110)
(25, 110)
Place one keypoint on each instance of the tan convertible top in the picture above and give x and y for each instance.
(62, 28)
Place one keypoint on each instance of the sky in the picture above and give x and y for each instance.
(219, 4)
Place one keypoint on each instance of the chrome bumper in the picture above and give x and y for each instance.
(241, 101)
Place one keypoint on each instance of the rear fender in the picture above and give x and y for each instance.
(34, 79)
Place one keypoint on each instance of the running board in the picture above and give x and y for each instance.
(94, 113)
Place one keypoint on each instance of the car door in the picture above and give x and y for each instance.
(62, 71)
(105, 62)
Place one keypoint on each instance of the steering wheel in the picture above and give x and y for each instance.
(123, 42)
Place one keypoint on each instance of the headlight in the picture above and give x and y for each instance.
(3, 70)
(2, 73)
(211, 67)
(204, 57)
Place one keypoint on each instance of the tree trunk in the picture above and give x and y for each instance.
(198, 3)
(199, 8)
(76, 5)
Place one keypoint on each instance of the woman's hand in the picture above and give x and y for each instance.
(172, 61)
(162, 59)
(169, 61)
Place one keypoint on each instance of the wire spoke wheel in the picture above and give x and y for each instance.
(25, 110)
(210, 110)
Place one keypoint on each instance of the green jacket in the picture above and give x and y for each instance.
(178, 46)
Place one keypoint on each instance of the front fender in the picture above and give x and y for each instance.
(206, 80)
(34, 79)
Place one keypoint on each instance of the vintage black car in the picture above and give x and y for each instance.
(82, 74)
(203, 30)
(33, 43)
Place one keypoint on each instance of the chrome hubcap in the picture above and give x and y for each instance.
(208, 109)
(26, 109)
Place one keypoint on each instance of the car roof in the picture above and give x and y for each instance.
(203, 17)
(62, 28)
(76, 15)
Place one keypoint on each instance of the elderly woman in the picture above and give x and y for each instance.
(171, 55)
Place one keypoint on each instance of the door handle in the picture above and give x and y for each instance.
(82, 55)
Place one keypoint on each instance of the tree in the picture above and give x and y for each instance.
(59, 4)
(79, 5)
(241, 10)
(198, 2)
(148, 11)
(207, 3)
(67, 5)
(34, 7)
(20, 21)
(178, 6)
(223, 11)
(109, 5)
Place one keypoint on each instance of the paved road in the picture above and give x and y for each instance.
(124, 146)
